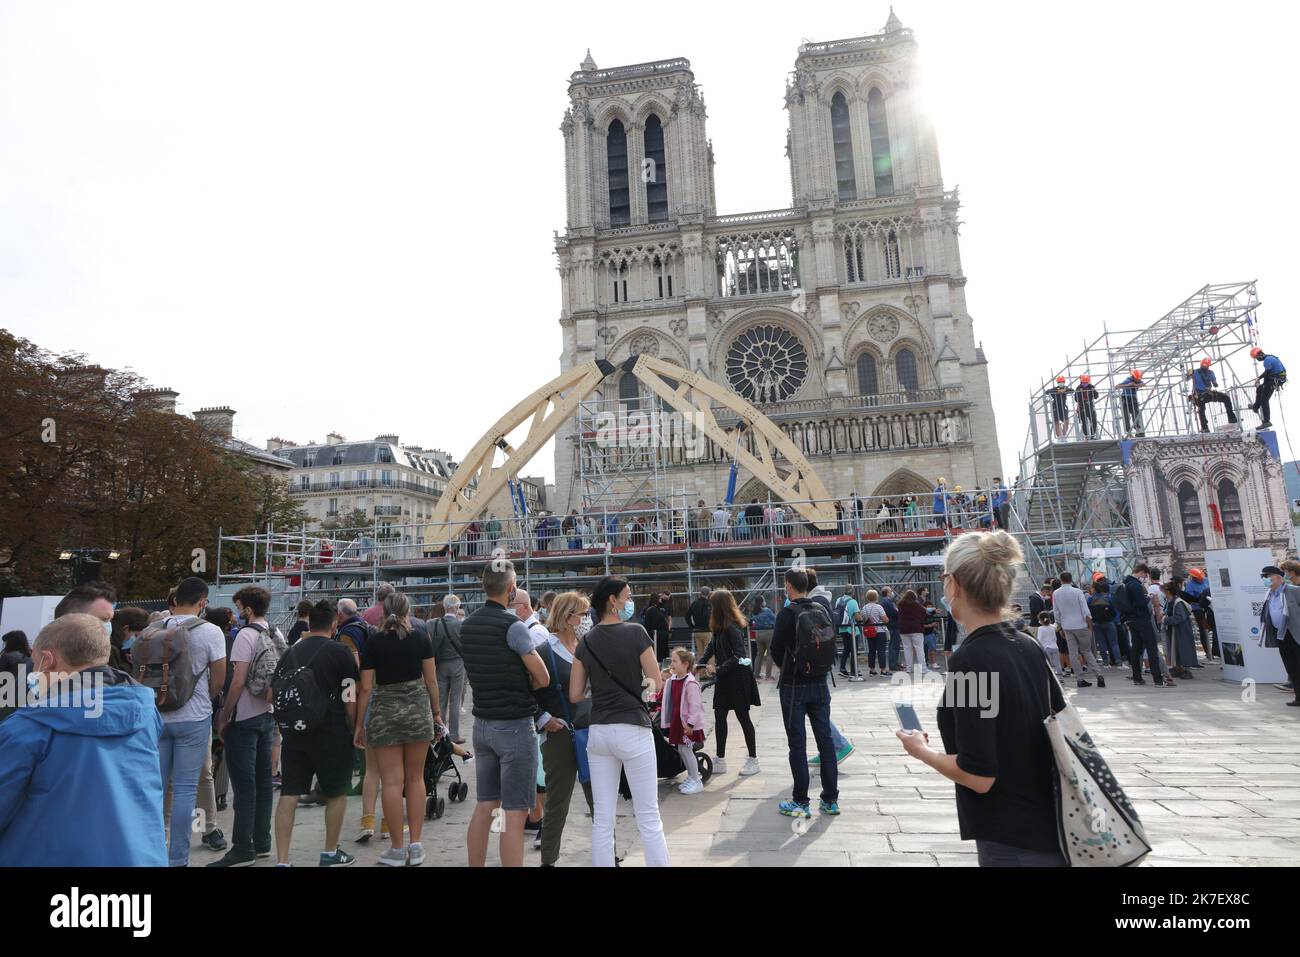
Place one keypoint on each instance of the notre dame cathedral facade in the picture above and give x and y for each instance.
(842, 317)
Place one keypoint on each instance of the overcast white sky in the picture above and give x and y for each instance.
(339, 216)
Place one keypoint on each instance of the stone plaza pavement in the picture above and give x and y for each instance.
(1214, 775)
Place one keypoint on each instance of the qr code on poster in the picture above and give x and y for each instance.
(1256, 608)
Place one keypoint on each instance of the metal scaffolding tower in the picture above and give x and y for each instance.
(1074, 511)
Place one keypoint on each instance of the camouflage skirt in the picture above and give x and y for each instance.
(400, 714)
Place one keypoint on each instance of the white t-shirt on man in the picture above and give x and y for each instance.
(207, 644)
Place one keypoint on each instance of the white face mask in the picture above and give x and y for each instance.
(584, 626)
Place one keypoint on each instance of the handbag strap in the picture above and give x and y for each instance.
(555, 671)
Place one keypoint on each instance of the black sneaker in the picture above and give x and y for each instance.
(214, 840)
(235, 858)
(1101, 682)
(1138, 681)
(221, 802)
(1083, 684)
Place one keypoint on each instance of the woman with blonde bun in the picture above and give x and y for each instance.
(991, 716)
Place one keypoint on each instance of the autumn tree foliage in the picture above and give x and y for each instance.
(92, 463)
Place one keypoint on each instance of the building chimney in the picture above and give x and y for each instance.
(390, 439)
(275, 444)
(333, 439)
(159, 400)
(85, 377)
(219, 420)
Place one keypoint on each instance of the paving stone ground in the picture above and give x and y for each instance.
(1213, 771)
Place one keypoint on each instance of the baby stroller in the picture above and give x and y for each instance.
(438, 762)
(668, 761)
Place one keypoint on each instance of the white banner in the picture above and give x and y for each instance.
(1237, 593)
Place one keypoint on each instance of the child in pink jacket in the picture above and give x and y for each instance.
(681, 715)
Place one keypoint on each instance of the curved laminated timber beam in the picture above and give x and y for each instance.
(689, 393)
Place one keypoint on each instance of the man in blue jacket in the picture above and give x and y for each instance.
(80, 784)
(1272, 379)
(1205, 389)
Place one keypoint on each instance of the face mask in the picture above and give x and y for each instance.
(108, 628)
(946, 607)
(130, 640)
(628, 610)
(511, 611)
(584, 626)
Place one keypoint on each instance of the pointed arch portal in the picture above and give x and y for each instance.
(690, 393)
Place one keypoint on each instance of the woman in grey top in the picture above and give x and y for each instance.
(617, 656)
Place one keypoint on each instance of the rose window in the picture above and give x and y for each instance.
(766, 364)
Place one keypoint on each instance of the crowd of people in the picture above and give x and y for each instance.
(569, 691)
(955, 508)
(1120, 625)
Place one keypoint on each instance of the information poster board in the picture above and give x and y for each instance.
(1237, 593)
(28, 614)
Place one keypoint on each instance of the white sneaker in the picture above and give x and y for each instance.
(393, 857)
(691, 786)
(415, 855)
(751, 767)
(719, 766)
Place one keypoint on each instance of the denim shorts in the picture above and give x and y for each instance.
(505, 762)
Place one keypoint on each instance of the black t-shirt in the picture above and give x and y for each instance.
(619, 647)
(991, 717)
(396, 658)
(335, 670)
(655, 620)
(299, 629)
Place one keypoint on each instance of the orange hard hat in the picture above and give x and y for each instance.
(1196, 573)
(1060, 378)
(1205, 363)
(1256, 352)
(1086, 379)
(1137, 373)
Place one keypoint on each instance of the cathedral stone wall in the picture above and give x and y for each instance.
(842, 316)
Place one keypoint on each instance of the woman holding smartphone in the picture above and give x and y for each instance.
(991, 716)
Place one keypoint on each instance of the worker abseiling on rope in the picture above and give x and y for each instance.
(1205, 389)
(1129, 403)
(941, 502)
(1059, 396)
(1085, 399)
(1271, 379)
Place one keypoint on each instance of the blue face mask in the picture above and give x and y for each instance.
(944, 602)
(130, 640)
(628, 610)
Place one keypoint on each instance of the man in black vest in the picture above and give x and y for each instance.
(503, 670)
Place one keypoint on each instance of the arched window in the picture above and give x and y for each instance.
(882, 163)
(1234, 523)
(656, 171)
(629, 392)
(893, 258)
(867, 383)
(905, 366)
(616, 155)
(1189, 513)
(842, 137)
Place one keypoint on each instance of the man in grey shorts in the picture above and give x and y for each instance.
(503, 670)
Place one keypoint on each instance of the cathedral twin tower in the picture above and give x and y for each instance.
(842, 317)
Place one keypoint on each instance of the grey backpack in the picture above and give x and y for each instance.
(267, 652)
(163, 662)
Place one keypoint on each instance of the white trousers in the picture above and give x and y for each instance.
(628, 748)
(914, 651)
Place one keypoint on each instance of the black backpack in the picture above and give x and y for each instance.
(815, 645)
(1101, 610)
(300, 705)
